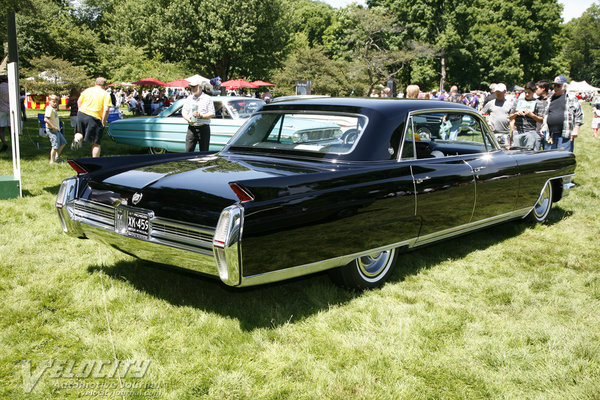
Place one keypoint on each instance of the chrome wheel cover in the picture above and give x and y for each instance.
(373, 267)
(157, 150)
(543, 204)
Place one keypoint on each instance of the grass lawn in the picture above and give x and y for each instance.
(511, 312)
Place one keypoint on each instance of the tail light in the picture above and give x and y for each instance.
(241, 193)
(78, 168)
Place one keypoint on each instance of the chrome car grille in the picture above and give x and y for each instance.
(165, 231)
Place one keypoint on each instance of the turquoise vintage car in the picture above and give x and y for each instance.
(167, 130)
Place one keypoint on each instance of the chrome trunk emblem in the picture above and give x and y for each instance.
(136, 198)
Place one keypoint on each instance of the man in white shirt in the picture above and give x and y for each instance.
(197, 110)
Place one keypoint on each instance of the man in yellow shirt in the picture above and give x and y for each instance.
(93, 104)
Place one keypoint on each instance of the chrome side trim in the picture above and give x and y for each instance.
(471, 226)
(301, 270)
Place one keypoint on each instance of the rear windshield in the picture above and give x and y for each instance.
(308, 132)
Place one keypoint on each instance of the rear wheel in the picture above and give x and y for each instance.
(366, 272)
(156, 150)
(542, 207)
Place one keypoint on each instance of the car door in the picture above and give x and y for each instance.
(444, 184)
(496, 176)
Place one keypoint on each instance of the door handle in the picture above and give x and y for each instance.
(420, 180)
(478, 169)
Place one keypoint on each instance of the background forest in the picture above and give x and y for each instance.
(434, 43)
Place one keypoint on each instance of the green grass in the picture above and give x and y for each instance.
(511, 312)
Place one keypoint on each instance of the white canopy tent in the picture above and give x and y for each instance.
(582, 86)
(197, 77)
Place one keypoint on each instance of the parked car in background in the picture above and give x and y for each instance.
(167, 130)
(343, 185)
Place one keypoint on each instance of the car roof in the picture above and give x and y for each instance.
(386, 116)
(364, 105)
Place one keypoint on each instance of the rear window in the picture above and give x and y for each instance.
(318, 133)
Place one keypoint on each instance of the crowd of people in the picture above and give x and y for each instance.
(542, 115)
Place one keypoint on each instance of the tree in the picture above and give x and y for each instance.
(233, 38)
(328, 76)
(47, 28)
(480, 41)
(127, 63)
(443, 25)
(53, 76)
(308, 20)
(368, 40)
(582, 46)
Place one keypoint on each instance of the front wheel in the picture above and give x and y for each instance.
(156, 150)
(540, 211)
(366, 272)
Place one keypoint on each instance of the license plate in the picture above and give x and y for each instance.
(138, 224)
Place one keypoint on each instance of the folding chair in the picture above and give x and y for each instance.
(113, 116)
(42, 126)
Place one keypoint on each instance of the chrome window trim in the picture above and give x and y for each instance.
(484, 129)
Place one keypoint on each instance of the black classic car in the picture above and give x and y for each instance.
(361, 181)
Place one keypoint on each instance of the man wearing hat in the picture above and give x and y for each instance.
(563, 117)
(197, 110)
(499, 110)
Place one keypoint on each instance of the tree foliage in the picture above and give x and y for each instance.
(481, 41)
(470, 43)
(327, 76)
(368, 40)
(582, 46)
(233, 38)
(48, 75)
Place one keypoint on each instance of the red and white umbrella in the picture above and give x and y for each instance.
(238, 84)
(149, 82)
(178, 83)
(262, 83)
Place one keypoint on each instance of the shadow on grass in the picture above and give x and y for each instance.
(558, 214)
(52, 189)
(266, 306)
(425, 257)
(291, 301)
(455, 248)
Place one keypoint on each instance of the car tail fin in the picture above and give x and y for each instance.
(78, 168)
(243, 194)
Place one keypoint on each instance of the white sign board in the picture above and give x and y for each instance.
(15, 121)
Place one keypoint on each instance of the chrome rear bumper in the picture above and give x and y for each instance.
(169, 242)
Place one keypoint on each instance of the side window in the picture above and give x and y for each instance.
(408, 146)
(445, 134)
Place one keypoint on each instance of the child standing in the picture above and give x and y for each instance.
(57, 139)
(596, 119)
